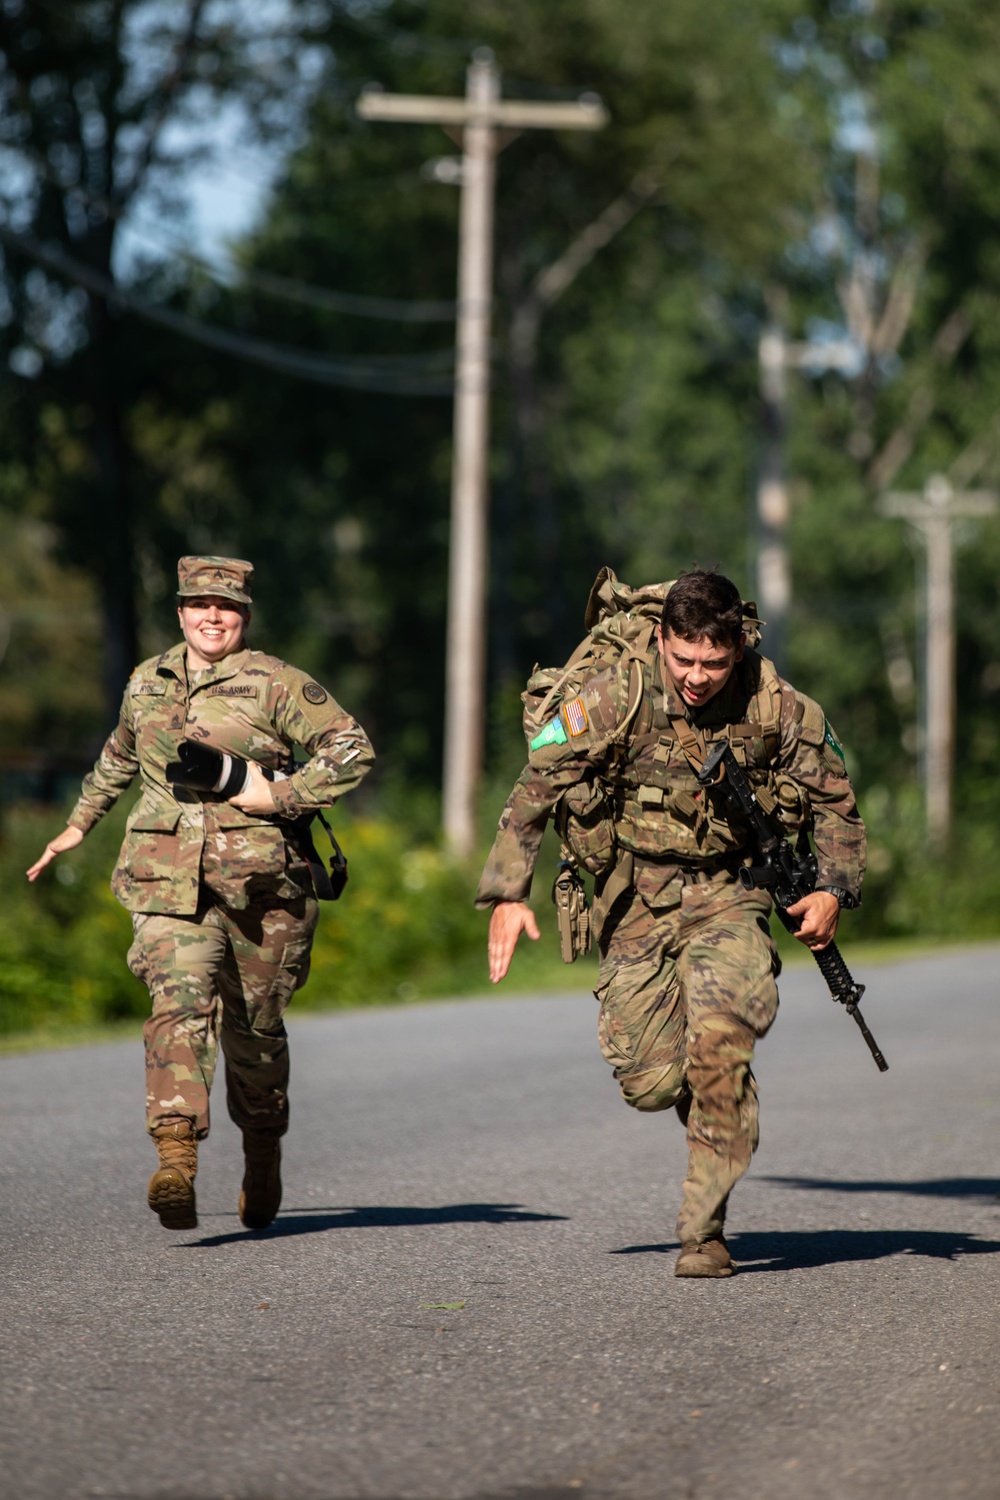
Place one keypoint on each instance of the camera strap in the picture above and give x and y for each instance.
(338, 863)
(328, 884)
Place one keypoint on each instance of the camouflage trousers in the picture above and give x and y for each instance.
(221, 975)
(684, 994)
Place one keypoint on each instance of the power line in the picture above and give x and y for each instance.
(401, 375)
(220, 165)
(289, 288)
(356, 304)
(349, 302)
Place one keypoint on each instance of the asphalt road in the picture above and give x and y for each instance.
(478, 1154)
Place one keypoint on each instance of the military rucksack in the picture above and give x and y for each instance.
(621, 625)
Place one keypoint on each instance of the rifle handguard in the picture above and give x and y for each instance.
(844, 988)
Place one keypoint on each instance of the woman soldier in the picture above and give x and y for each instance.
(222, 899)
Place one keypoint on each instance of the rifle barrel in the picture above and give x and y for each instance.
(873, 1046)
(845, 989)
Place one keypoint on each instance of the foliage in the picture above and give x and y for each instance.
(64, 939)
(404, 929)
(102, 107)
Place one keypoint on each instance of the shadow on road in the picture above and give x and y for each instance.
(319, 1220)
(932, 1187)
(799, 1250)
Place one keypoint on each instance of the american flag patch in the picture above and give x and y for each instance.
(576, 716)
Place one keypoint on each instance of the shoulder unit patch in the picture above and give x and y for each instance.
(552, 734)
(829, 738)
(313, 693)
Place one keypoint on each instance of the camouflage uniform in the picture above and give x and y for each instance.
(688, 969)
(222, 901)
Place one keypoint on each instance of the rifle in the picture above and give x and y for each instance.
(788, 875)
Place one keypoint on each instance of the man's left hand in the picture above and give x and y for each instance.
(256, 797)
(820, 913)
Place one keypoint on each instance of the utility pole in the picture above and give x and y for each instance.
(774, 584)
(932, 514)
(481, 116)
(776, 356)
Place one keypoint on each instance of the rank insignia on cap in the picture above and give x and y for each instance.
(313, 693)
(575, 716)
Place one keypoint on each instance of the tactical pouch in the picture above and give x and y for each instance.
(793, 806)
(584, 823)
(572, 912)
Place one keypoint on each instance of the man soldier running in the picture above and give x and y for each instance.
(688, 968)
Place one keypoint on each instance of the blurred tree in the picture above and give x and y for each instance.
(104, 105)
(894, 249)
(840, 155)
(609, 333)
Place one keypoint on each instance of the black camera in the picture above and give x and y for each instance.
(205, 769)
(202, 768)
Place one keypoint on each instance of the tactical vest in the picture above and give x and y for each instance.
(659, 808)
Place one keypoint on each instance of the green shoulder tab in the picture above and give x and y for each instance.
(552, 734)
(830, 739)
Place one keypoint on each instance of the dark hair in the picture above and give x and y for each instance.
(704, 604)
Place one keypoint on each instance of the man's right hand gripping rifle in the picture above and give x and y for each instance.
(788, 875)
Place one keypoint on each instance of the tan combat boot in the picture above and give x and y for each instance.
(171, 1188)
(709, 1258)
(260, 1198)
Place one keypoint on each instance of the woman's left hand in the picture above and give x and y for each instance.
(70, 837)
(255, 797)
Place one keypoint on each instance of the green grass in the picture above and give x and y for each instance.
(56, 1038)
(406, 929)
(537, 970)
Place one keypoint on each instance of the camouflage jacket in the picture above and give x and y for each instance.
(250, 705)
(646, 784)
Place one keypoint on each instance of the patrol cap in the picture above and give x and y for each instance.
(217, 577)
